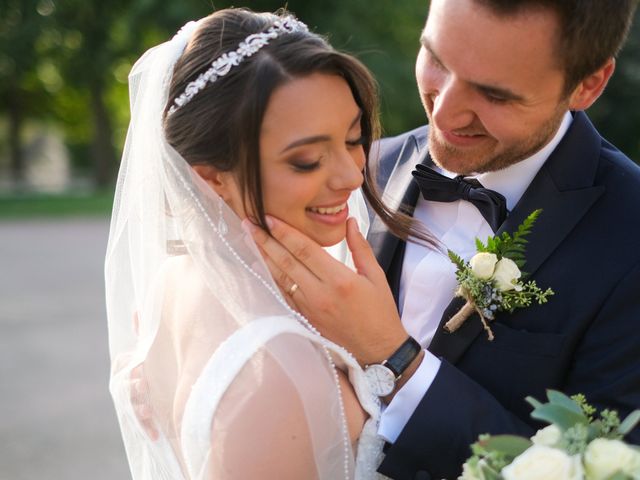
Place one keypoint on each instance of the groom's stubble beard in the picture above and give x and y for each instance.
(466, 161)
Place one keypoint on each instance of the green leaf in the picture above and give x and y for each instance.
(489, 473)
(456, 259)
(533, 402)
(630, 422)
(492, 244)
(558, 398)
(595, 430)
(514, 247)
(619, 476)
(510, 445)
(559, 415)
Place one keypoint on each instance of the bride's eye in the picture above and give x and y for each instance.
(302, 166)
(357, 142)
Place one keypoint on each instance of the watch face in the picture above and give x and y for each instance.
(381, 380)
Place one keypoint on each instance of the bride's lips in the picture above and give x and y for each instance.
(330, 215)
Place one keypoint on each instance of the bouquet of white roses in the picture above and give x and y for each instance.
(575, 446)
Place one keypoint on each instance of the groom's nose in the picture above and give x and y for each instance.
(451, 104)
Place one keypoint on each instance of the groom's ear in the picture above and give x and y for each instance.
(221, 182)
(591, 87)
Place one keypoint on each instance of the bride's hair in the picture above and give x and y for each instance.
(220, 126)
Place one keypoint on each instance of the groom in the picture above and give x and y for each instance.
(504, 85)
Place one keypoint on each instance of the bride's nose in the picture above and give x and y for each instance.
(347, 173)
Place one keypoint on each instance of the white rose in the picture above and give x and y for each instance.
(470, 472)
(506, 274)
(482, 264)
(539, 462)
(604, 457)
(548, 436)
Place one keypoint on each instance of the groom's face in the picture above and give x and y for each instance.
(492, 86)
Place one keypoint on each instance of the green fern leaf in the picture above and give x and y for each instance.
(457, 260)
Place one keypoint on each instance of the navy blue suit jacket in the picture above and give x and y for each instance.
(586, 247)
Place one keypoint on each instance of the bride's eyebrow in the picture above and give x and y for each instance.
(318, 138)
(306, 141)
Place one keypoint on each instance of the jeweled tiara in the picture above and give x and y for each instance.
(223, 64)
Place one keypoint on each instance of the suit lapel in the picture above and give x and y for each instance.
(564, 189)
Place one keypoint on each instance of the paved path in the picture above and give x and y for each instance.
(56, 416)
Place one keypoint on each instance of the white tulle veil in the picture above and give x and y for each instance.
(194, 315)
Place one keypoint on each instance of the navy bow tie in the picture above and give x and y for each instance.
(435, 186)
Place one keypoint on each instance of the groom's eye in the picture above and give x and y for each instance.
(496, 98)
(499, 95)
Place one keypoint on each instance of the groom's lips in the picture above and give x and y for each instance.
(462, 139)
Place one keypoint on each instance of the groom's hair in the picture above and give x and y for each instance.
(590, 31)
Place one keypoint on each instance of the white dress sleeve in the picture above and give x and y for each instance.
(198, 438)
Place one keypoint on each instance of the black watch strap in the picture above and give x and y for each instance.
(403, 356)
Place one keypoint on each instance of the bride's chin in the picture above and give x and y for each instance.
(329, 239)
(330, 244)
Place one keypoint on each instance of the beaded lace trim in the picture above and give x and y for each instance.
(223, 64)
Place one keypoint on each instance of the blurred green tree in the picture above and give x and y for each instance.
(25, 75)
(105, 39)
(68, 61)
(94, 37)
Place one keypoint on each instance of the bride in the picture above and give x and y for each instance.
(239, 115)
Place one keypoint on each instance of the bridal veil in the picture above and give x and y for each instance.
(229, 369)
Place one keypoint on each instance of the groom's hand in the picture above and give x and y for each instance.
(353, 309)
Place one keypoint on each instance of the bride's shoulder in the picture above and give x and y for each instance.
(180, 275)
(176, 266)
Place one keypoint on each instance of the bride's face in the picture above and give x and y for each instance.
(311, 156)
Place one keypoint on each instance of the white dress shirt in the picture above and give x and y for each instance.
(428, 280)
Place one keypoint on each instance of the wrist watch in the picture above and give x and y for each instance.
(382, 377)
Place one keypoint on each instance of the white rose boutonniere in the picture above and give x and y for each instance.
(492, 280)
(507, 275)
(575, 446)
(483, 265)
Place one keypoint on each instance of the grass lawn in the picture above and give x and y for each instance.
(63, 205)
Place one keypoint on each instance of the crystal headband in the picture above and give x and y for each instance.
(221, 65)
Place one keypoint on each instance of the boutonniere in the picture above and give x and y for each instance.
(492, 281)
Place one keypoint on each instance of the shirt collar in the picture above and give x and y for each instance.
(513, 181)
